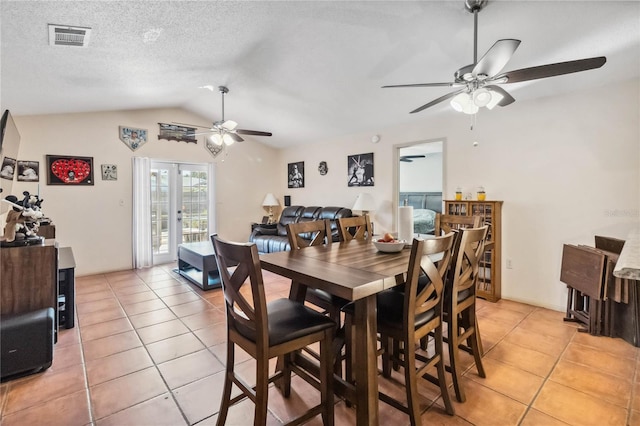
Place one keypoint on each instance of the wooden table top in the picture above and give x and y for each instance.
(351, 270)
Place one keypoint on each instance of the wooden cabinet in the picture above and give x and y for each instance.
(489, 275)
(29, 278)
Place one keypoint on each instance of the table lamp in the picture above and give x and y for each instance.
(270, 201)
(364, 203)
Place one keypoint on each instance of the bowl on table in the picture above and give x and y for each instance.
(390, 247)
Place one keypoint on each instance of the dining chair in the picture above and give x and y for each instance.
(268, 330)
(406, 317)
(460, 303)
(315, 233)
(445, 223)
(355, 228)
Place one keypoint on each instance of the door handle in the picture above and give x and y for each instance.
(179, 216)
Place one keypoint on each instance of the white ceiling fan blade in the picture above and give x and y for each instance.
(496, 58)
(229, 125)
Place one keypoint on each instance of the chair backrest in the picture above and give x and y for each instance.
(236, 263)
(306, 234)
(420, 300)
(355, 228)
(446, 223)
(468, 250)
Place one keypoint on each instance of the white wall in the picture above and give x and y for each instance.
(567, 168)
(91, 220)
(422, 174)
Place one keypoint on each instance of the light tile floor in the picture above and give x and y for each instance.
(149, 349)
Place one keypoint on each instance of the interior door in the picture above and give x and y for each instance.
(179, 207)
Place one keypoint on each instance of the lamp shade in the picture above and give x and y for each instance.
(364, 202)
(270, 200)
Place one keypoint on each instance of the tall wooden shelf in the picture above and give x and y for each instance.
(489, 274)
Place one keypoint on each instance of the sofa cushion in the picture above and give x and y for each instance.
(271, 243)
(334, 213)
(289, 215)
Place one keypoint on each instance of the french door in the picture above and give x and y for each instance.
(180, 207)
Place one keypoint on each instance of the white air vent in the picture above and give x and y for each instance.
(61, 35)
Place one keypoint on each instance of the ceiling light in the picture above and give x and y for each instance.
(496, 98)
(463, 102)
(481, 97)
(228, 140)
(216, 139)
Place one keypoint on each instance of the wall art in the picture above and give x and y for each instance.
(28, 171)
(133, 138)
(109, 171)
(173, 132)
(296, 175)
(8, 168)
(360, 170)
(69, 170)
(212, 148)
(323, 169)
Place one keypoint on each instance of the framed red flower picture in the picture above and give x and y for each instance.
(69, 170)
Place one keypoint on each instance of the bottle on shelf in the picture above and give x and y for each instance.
(481, 194)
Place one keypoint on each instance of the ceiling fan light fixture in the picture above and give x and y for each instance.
(463, 102)
(496, 98)
(228, 140)
(215, 139)
(482, 97)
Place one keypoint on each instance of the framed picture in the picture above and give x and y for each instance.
(69, 170)
(28, 171)
(172, 132)
(8, 168)
(296, 175)
(360, 170)
(133, 138)
(109, 172)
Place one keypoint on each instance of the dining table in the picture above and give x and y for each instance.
(356, 271)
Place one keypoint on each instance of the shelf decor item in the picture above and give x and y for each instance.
(481, 194)
(458, 194)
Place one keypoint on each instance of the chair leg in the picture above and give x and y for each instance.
(349, 354)
(262, 392)
(454, 355)
(442, 377)
(326, 382)
(410, 380)
(396, 354)
(228, 383)
(334, 314)
(386, 355)
(286, 375)
(474, 341)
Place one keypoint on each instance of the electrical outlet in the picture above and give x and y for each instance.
(509, 264)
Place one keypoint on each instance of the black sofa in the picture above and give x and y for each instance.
(272, 238)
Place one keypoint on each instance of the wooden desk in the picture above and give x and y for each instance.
(355, 271)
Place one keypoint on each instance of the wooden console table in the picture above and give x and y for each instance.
(197, 263)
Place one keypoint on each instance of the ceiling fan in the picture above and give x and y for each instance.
(225, 131)
(479, 81)
(410, 158)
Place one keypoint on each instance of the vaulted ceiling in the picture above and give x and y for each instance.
(304, 70)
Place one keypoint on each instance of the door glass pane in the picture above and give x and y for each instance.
(194, 205)
(160, 210)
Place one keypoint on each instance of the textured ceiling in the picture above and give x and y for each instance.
(306, 71)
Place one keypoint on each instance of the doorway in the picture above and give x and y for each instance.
(419, 181)
(180, 207)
